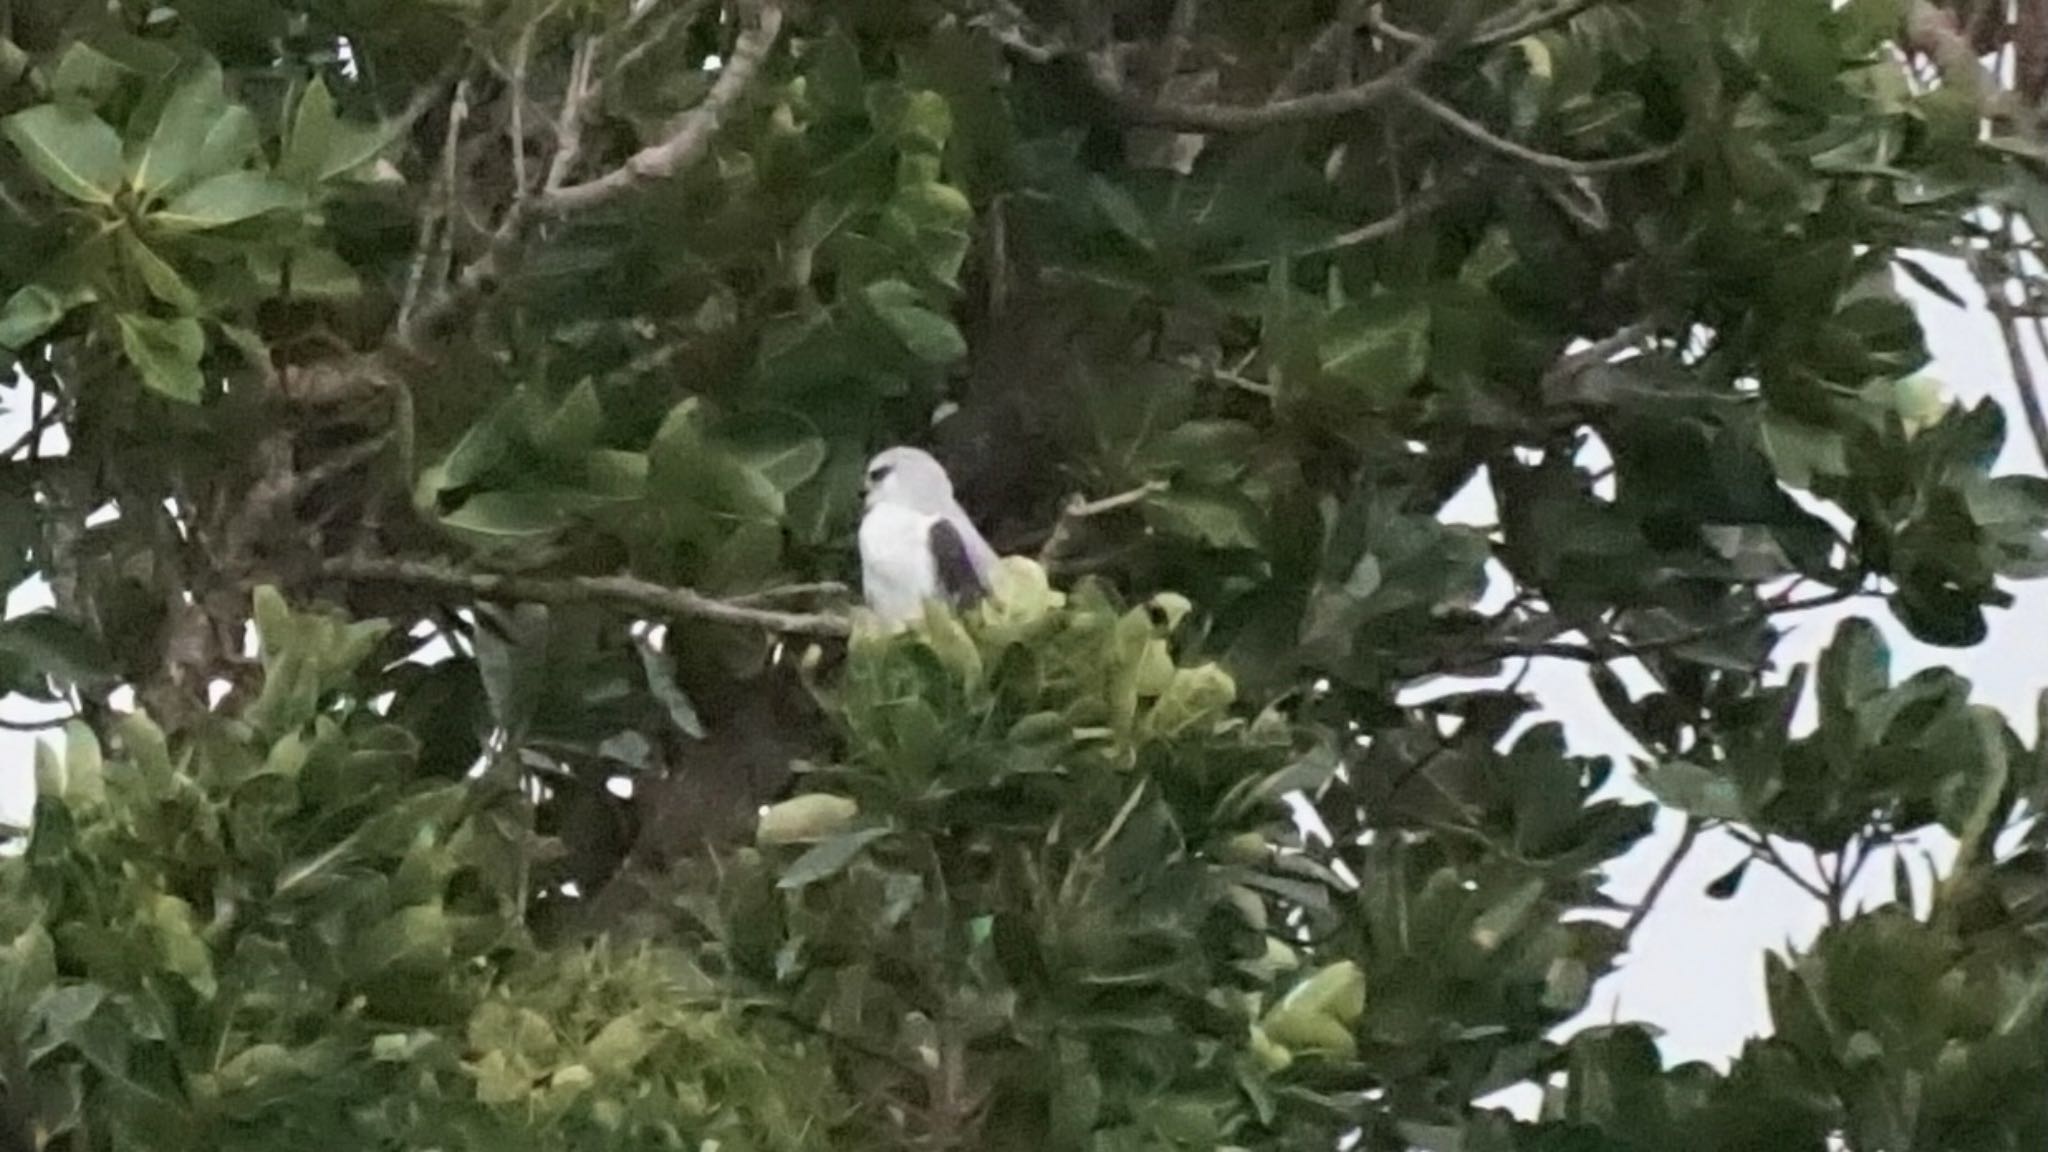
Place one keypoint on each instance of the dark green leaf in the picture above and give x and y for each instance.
(1379, 345)
(1726, 885)
(166, 353)
(927, 335)
(828, 858)
(57, 648)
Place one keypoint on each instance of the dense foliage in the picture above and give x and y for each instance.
(448, 420)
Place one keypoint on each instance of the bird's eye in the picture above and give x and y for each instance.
(878, 474)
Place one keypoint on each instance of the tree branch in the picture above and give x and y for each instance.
(687, 142)
(1078, 510)
(619, 591)
(1993, 281)
(1603, 650)
(1105, 72)
(1421, 204)
(1662, 879)
(1483, 136)
(1602, 351)
(690, 138)
(823, 589)
(1524, 20)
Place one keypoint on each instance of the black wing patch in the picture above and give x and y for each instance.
(957, 577)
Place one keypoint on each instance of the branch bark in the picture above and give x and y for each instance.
(1662, 879)
(687, 142)
(690, 137)
(624, 592)
(1105, 71)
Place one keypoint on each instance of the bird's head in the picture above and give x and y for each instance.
(908, 477)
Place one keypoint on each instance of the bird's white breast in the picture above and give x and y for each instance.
(897, 572)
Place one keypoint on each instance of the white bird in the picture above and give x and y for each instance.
(916, 543)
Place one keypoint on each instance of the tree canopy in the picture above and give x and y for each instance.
(447, 428)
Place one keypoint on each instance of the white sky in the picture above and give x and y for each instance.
(1696, 969)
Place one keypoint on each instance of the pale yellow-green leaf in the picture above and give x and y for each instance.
(802, 819)
(85, 781)
(622, 1044)
(76, 152)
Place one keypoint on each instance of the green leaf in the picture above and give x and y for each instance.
(166, 353)
(229, 198)
(571, 430)
(622, 1044)
(1695, 790)
(57, 647)
(72, 149)
(1379, 345)
(231, 139)
(1801, 452)
(511, 659)
(316, 273)
(312, 134)
(928, 336)
(828, 858)
(184, 953)
(418, 939)
(157, 275)
(1117, 206)
(497, 517)
(34, 310)
(781, 446)
(84, 75)
(701, 486)
(322, 146)
(661, 682)
(1506, 916)
(178, 142)
(1726, 885)
(1218, 519)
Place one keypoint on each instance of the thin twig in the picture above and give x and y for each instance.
(1180, 32)
(437, 228)
(40, 423)
(1105, 71)
(522, 57)
(691, 136)
(36, 725)
(1340, 28)
(1079, 509)
(569, 124)
(1483, 136)
(1761, 847)
(1421, 204)
(687, 142)
(1570, 366)
(1604, 650)
(1662, 879)
(1523, 20)
(1993, 281)
(343, 461)
(627, 592)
